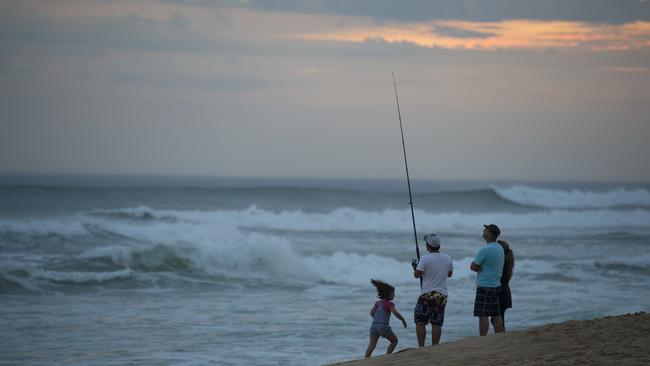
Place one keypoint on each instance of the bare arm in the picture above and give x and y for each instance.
(417, 273)
(475, 267)
(398, 315)
(373, 310)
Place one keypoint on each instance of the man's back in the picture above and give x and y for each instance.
(436, 268)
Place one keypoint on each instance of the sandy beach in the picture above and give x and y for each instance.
(620, 340)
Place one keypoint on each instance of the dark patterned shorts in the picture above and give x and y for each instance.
(487, 301)
(430, 308)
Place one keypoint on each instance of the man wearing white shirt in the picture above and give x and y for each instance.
(434, 269)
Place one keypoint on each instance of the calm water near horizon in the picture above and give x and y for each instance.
(243, 271)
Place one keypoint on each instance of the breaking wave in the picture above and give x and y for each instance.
(218, 246)
(155, 224)
(349, 269)
(575, 199)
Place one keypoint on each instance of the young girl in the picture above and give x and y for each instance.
(380, 314)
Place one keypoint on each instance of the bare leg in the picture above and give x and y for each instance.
(393, 343)
(503, 318)
(421, 333)
(483, 325)
(435, 334)
(372, 344)
(497, 322)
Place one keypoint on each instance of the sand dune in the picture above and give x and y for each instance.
(616, 340)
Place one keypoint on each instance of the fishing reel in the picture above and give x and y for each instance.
(414, 263)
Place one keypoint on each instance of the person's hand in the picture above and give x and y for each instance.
(404, 323)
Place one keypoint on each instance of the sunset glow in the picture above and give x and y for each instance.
(292, 88)
(510, 34)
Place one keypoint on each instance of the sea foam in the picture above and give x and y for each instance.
(531, 196)
(220, 250)
(249, 243)
(159, 222)
(352, 220)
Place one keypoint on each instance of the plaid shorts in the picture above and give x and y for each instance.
(487, 301)
(430, 308)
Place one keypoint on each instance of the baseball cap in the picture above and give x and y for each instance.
(432, 240)
(493, 228)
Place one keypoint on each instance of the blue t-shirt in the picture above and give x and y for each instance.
(491, 258)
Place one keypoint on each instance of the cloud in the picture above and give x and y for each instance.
(605, 11)
(243, 87)
(122, 32)
(182, 26)
(508, 34)
(455, 32)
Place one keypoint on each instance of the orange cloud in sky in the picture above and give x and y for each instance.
(453, 34)
(507, 34)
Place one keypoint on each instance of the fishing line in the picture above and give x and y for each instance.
(408, 179)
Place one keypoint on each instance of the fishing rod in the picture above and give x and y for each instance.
(408, 179)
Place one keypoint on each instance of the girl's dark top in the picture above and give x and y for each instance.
(505, 298)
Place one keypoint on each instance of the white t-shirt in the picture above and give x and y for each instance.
(436, 267)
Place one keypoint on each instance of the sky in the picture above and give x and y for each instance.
(525, 90)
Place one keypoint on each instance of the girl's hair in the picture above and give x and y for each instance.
(509, 259)
(384, 290)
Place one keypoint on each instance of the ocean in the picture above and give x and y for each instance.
(196, 271)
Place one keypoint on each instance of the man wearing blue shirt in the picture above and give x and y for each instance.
(488, 266)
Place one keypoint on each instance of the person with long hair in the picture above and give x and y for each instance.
(380, 313)
(505, 296)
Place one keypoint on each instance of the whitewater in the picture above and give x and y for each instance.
(259, 272)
